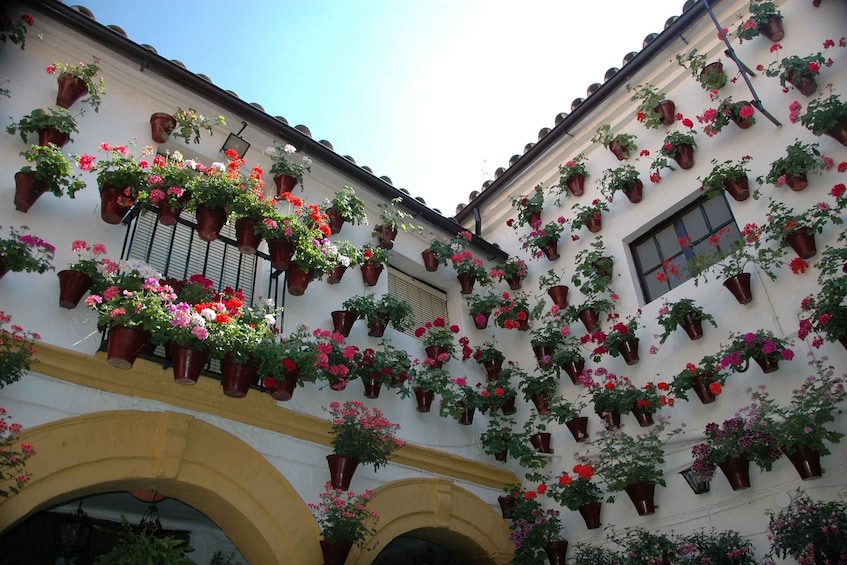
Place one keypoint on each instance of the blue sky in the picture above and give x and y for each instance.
(435, 94)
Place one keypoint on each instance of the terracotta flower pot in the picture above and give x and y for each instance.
(335, 552)
(574, 369)
(372, 386)
(802, 241)
(284, 183)
(576, 185)
(493, 369)
(370, 273)
(534, 218)
(72, 287)
(541, 442)
(551, 251)
(28, 189)
(629, 351)
(466, 282)
(556, 551)
(71, 89)
(124, 345)
(50, 134)
(684, 156)
(611, 418)
(806, 461)
(187, 363)
(693, 326)
(737, 472)
(342, 321)
(618, 150)
(704, 393)
(336, 274)
(341, 470)
(768, 363)
(376, 328)
(430, 260)
(297, 279)
(514, 283)
(542, 355)
(772, 28)
(642, 497)
(168, 215)
(237, 376)
(280, 251)
(644, 419)
(386, 236)
(634, 191)
(579, 428)
(590, 319)
(591, 514)
(336, 221)
(481, 320)
(433, 352)
(804, 81)
(466, 418)
(595, 224)
(542, 403)
(715, 68)
(509, 407)
(739, 190)
(559, 295)
(739, 286)
(839, 131)
(210, 221)
(667, 110)
(161, 126)
(284, 389)
(423, 398)
(246, 238)
(112, 210)
(506, 502)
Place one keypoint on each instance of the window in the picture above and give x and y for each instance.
(661, 244)
(427, 302)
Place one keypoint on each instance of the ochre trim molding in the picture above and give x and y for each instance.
(148, 380)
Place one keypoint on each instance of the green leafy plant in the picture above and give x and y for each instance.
(61, 120)
(17, 349)
(186, 124)
(528, 204)
(708, 371)
(626, 141)
(387, 364)
(574, 492)
(715, 182)
(513, 312)
(645, 547)
(550, 279)
(648, 107)
(146, 545)
(97, 268)
(26, 252)
(593, 269)
(760, 344)
(483, 304)
(783, 221)
(716, 547)
(823, 114)
(87, 73)
(542, 383)
(760, 11)
(673, 140)
(443, 250)
(802, 159)
(736, 437)
(119, 169)
(543, 236)
(15, 30)
(391, 218)
(168, 177)
(512, 268)
(710, 76)
(53, 169)
(573, 168)
(584, 214)
(673, 315)
(344, 516)
(362, 432)
(825, 313)
(620, 178)
(793, 68)
(729, 260)
(347, 205)
(715, 119)
(437, 332)
(585, 554)
(809, 531)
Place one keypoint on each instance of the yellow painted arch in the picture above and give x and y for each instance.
(454, 517)
(182, 457)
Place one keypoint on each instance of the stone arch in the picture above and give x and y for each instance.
(182, 457)
(464, 521)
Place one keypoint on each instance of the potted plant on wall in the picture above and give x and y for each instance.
(654, 109)
(345, 206)
(51, 170)
(612, 396)
(537, 388)
(536, 532)
(625, 179)
(438, 341)
(683, 313)
(166, 186)
(714, 547)
(513, 312)
(794, 168)
(797, 230)
(825, 313)
(715, 119)
(647, 547)
(119, 178)
(512, 271)
(18, 350)
(146, 544)
(799, 72)
(185, 124)
(764, 19)
(711, 76)
(481, 305)
(589, 216)
(392, 218)
(706, 379)
(384, 365)
(631, 463)
(529, 207)
(84, 274)
(808, 530)
(552, 283)
(578, 493)
(345, 520)
(75, 81)
(469, 269)
(25, 252)
(593, 269)
(488, 355)
(826, 115)
(762, 346)
(286, 171)
(52, 126)
(544, 240)
(503, 438)
(374, 260)
(680, 145)
(729, 176)
(622, 145)
(438, 253)
(572, 178)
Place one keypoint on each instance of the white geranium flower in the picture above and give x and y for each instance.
(191, 164)
(270, 319)
(208, 314)
(289, 149)
(177, 156)
(218, 166)
(344, 260)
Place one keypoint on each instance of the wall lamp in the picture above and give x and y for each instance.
(235, 142)
(698, 486)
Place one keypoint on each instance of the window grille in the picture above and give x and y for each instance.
(427, 302)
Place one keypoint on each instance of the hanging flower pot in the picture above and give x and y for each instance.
(542, 355)
(335, 552)
(768, 363)
(481, 320)
(336, 274)
(739, 190)
(619, 150)
(284, 183)
(430, 260)
(551, 251)
(541, 442)
(806, 461)
(542, 403)
(595, 223)
(3, 268)
(297, 279)
(187, 363)
(629, 351)
(576, 185)
(506, 502)
(839, 131)
(804, 81)
(50, 134)
(112, 207)
(341, 470)
(372, 386)
(641, 495)
(802, 241)
(743, 123)
(579, 428)
(342, 321)
(590, 319)
(644, 418)
(28, 189)
(772, 28)
(508, 407)
(282, 389)
(611, 418)
(534, 218)
(466, 282)
(514, 282)
(386, 236)
(71, 89)
(493, 369)
(684, 156)
(124, 345)
(739, 286)
(72, 287)
(336, 221)
(704, 393)
(466, 418)
(797, 183)
(237, 376)
(376, 328)
(693, 326)
(168, 215)
(370, 273)
(574, 369)
(280, 251)
(559, 295)
(591, 514)
(210, 221)
(737, 472)
(667, 110)
(434, 352)
(246, 238)
(423, 399)
(161, 126)
(634, 191)
(556, 551)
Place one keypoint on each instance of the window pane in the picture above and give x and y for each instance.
(668, 241)
(695, 224)
(654, 288)
(648, 255)
(718, 211)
